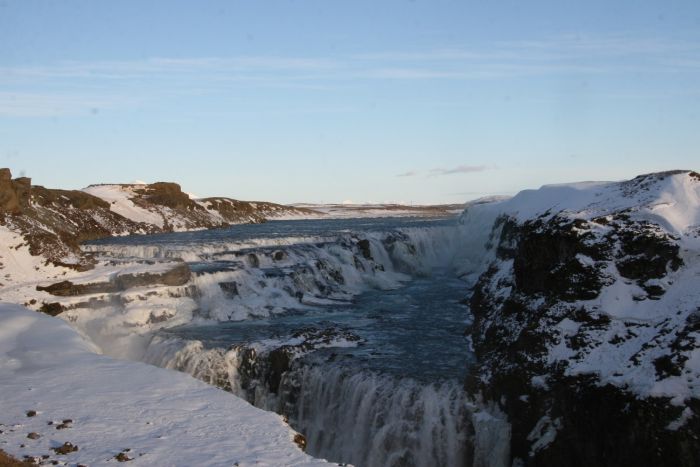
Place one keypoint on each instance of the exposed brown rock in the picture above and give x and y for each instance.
(123, 457)
(14, 194)
(167, 194)
(179, 274)
(300, 440)
(65, 449)
(69, 289)
(52, 309)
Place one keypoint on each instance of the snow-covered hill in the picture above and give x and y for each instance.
(167, 207)
(587, 313)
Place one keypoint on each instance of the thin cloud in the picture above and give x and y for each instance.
(52, 105)
(460, 169)
(69, 87)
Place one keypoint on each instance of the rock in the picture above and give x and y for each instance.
(123, 457)
(69, 289)
(23, 188)
(179, 274)
(300, 440)
(14, 194)
(364, 248)
(52, 309)
(230, 289)
(65, 449)
(279, 255)
(31, 413)
(33, 435)
(253, 260)
(168, 194)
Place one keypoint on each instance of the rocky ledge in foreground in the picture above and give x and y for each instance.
(587, 321)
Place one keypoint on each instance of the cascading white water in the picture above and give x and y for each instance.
(377, 421)
(361, 417)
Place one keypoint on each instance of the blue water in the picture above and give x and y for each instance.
(415, 331)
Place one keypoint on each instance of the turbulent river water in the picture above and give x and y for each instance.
(352, 329)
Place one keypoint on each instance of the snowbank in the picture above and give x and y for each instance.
(153, 416)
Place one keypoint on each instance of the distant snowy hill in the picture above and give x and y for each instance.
(587, 319)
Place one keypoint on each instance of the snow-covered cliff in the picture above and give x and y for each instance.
(586, 320)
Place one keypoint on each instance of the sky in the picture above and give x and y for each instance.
(420, 101)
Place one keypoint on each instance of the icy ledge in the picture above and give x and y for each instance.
(153, 416)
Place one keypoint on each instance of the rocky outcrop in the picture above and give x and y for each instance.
(586, 326)
(166, 194)
(178, 274)
(55, 222)
(14, 194)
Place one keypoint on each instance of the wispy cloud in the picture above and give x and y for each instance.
(69, 86)
(53, 105)
(460, 169)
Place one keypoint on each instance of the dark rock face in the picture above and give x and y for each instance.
(363, 246)
(546, 271)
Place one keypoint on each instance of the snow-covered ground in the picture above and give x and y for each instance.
(153, 416)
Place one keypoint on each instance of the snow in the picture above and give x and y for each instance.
(673, 198)
(119, 198)
(641, 330)
(163, 417)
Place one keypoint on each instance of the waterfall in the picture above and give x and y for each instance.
(352, 415)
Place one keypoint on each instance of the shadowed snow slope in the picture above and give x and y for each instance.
(154, 416)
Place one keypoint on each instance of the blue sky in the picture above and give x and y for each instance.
(324, 101)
